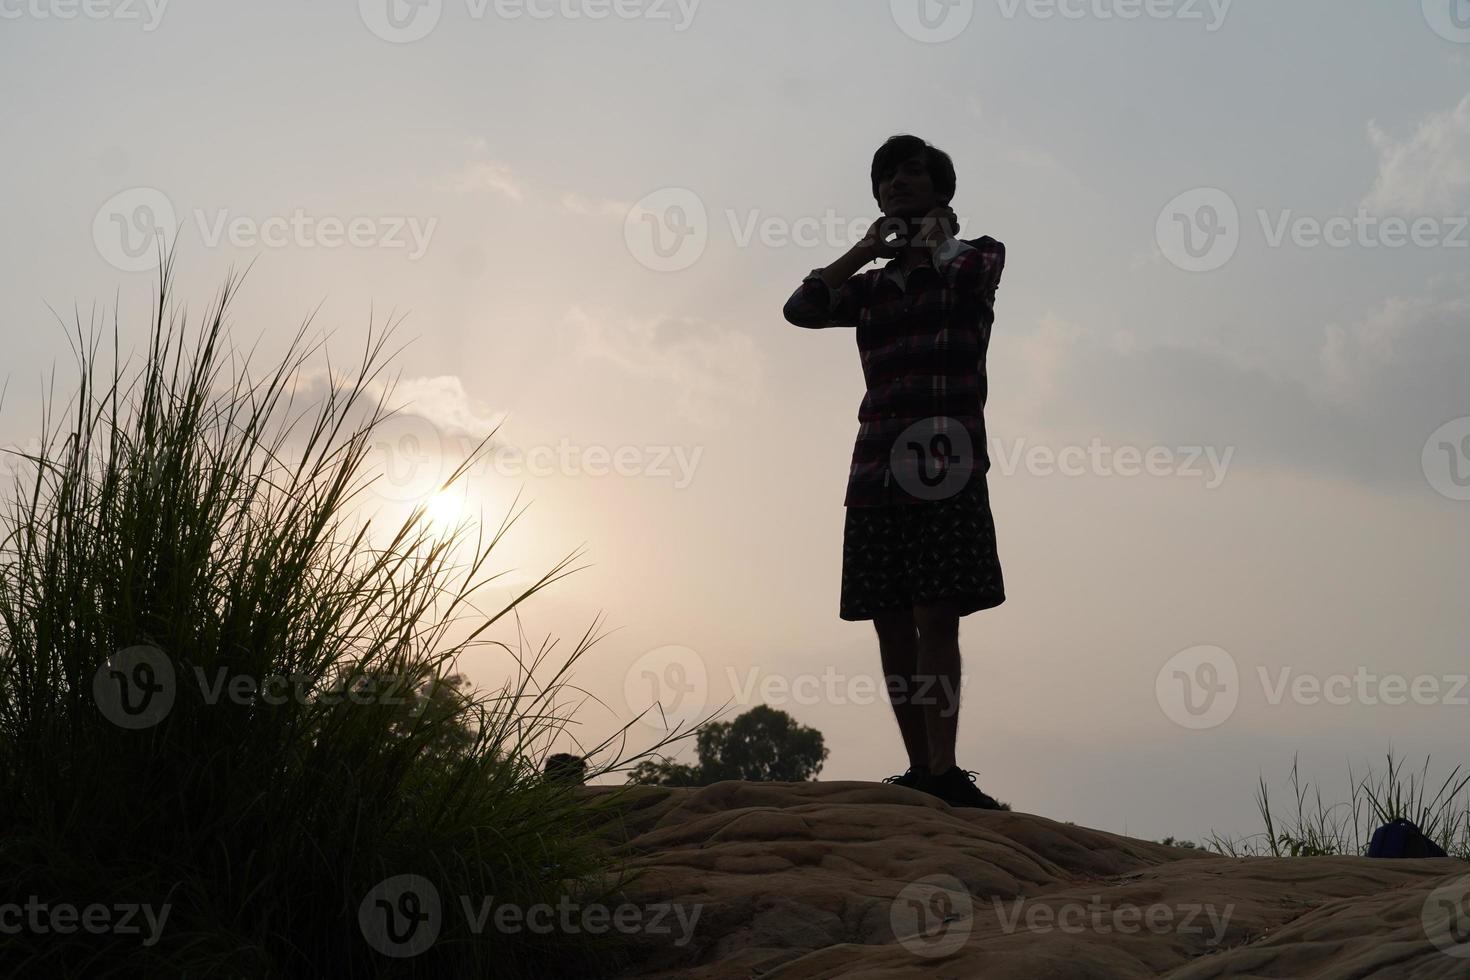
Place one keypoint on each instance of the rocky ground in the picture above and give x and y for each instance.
(865, 880)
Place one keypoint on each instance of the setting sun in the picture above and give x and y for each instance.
(447, 509)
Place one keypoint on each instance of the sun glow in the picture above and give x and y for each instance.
(446, 510)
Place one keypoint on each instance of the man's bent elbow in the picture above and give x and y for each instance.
(802, 316)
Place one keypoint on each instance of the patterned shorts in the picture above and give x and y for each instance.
(903, 555)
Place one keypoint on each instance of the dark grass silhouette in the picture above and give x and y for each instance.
(189, 506)
(1308, 827)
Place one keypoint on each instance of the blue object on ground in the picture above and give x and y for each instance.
(1401, 839)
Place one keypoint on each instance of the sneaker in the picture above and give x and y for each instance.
(912, 778)
(956, 787)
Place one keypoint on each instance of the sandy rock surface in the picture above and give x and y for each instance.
(863, 880)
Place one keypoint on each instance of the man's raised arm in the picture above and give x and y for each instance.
(829, 297)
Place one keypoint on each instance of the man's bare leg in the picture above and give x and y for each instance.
(939, 675)
(898, 645)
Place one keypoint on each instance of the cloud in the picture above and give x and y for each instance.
(442, 401)
(1427, 172)
(482, 175)
(435, 427)
(576, 204)
(710, 366)
(479, 175)
(1361, 408)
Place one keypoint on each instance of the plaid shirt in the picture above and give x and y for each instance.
(921, 425)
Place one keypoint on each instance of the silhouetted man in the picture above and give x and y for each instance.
(918, 548)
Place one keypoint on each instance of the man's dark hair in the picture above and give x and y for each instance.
(899, 148)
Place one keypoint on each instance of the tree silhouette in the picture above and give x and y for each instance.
(436, 704)
(762, 745)
(664, 772)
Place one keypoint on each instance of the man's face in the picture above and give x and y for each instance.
(908, 191)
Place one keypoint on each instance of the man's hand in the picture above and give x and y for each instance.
(876, 242)
(936, 228)
(930, 231)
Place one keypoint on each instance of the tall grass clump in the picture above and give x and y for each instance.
(187, 529)
(1308, 827)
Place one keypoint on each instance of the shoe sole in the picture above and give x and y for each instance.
(992, 804)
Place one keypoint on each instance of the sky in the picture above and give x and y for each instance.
(1229, 410)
